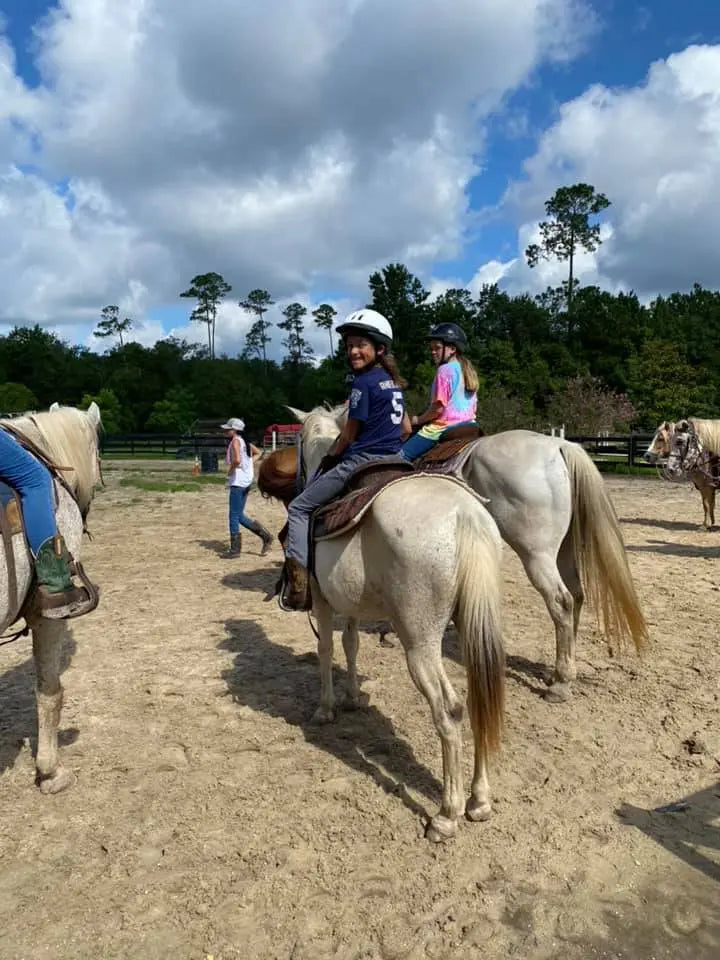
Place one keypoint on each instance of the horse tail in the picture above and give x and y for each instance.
(477, 618)
(599, 551)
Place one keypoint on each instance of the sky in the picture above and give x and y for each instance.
(299, 145)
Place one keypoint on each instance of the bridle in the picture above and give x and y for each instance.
(690, 457)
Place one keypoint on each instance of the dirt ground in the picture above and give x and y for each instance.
(211, 819)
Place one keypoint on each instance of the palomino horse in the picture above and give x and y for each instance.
(68, 437)
(694, 448)
(659, 451)
(425, 552)
(550, 505)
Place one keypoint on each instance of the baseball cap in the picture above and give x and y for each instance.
(234, 423)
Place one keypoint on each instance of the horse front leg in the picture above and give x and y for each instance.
(325, 712)
(49, 637)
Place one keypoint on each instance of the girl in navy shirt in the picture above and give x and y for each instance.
(376, 426)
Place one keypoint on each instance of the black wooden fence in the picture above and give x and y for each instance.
(627, 449)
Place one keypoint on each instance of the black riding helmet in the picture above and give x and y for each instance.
(449, 333)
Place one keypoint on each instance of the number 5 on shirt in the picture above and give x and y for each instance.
(398, 408)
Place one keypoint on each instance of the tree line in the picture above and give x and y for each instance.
(574, 355)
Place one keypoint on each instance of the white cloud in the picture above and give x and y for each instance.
(654, 151)
(288, 145)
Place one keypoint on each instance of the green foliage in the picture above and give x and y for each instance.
(325, 318)
(109, 409)
(569, 228)
(175, 413)
(111, 325)
(298, 349)
(209, 289)
(16, 398)
(619, 359)
(257, 303)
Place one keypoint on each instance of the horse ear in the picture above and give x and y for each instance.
(299, 415)
(54, 407)
(682, 425)
(93, 413)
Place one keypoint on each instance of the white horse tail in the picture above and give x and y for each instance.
(477, 618)
(599, 551)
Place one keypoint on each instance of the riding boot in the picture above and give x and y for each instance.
(235, 548)
(58, 596)
(296, 592)
(259, 530)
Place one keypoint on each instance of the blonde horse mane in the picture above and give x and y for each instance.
(708, 432)
(69, 439)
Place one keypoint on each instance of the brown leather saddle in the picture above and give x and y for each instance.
(364, 484)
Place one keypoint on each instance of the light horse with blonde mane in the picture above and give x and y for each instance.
(705, 473)
(426, 551)
(695, 450)
(68, 437)
(550, 505)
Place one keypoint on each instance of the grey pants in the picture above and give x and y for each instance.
(320, 490)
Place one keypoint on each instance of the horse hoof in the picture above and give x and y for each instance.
(324, 715)
(60, 780)
(476, 811)
(440, 829)
(558, 693)
(356, 702)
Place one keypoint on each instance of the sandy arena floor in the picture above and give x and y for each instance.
(210, 818)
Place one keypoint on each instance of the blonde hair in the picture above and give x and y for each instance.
(470, 377)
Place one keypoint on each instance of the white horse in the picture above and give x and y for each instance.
(69, 438)
(425, 551)
(550, 505)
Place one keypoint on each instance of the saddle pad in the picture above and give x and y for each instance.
(356, 504)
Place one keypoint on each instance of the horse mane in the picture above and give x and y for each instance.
(277, 475)
(708, 432)
(69, 439)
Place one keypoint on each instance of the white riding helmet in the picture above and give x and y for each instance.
(368, 323)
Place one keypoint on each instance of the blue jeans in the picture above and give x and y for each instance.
(236, 516)
(319, 491)
(33, 482)
(417, 445)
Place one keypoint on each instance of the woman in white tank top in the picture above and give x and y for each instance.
(240, 460)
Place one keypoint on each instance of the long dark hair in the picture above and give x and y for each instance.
(389, 364)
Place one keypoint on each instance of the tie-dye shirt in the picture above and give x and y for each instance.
(459, 404)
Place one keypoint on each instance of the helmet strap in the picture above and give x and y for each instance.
(446, 347)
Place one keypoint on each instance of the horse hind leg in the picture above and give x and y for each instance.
(48, 640)
(427, 672)
(543, 573)
(350, 642)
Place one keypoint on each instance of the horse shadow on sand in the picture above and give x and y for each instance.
(675, 549)
(682, 525)
(271, 678)
(535, 677)
(18, 718)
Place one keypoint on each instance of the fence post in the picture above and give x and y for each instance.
(631, 450)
